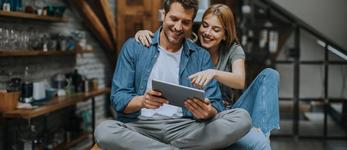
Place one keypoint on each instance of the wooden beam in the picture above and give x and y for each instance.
(94, 22)
(110, 19)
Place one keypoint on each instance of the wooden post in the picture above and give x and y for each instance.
(94, 22)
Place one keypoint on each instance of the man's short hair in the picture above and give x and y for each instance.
(187, 4)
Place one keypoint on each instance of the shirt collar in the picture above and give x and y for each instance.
(188, 45)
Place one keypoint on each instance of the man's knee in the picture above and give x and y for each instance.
(102, 132)
(241, 116)
(245, 118)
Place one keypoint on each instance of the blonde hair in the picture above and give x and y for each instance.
(226, 17)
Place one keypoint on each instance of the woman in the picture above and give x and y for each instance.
(217, 34)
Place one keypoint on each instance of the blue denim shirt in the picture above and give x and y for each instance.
(135, 62)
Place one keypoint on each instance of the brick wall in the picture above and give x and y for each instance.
(92, 65)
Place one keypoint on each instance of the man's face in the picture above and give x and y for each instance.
(177, 23)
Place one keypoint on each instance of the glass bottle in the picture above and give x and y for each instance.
(27, 87)
(6, 6)
(28, 6)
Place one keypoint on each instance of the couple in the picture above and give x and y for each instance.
(143, 118)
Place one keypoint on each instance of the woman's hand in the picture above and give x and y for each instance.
(202, 78)
(201, 109)
(144, 37)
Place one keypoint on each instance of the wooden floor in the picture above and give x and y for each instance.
(307, 144)
(277, 143)
(311, 124)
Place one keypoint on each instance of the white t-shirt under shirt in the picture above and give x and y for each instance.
(166, 68)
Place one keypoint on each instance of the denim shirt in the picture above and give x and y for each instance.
(134, 64)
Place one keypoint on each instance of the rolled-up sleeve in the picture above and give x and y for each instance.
(212, 91)
(124, 78)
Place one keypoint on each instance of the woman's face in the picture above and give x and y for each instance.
(211, 32)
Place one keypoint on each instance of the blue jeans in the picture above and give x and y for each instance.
(261, 101)
(254, 140)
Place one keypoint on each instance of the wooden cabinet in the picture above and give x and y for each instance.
(135, 15)
(53, 105)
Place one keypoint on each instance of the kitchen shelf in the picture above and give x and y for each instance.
(19, 53)
(31, 16)
(55, 104)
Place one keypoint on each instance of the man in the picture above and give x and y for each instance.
(147, 121)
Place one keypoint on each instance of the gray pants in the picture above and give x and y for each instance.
(167, 134)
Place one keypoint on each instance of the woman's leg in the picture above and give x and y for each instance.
(253, 140)
(261, 101)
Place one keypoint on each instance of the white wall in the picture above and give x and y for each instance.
(327, 16)
(311, 76)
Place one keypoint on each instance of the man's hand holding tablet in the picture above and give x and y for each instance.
(192, 99)
(176, 94)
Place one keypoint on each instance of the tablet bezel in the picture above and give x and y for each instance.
(176, 94)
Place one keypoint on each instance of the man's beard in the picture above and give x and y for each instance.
(175, 38)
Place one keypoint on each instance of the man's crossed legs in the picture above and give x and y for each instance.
(167, 134)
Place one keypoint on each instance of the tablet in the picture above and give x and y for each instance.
(176, 94)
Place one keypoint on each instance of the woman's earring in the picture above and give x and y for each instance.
(194, 37)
